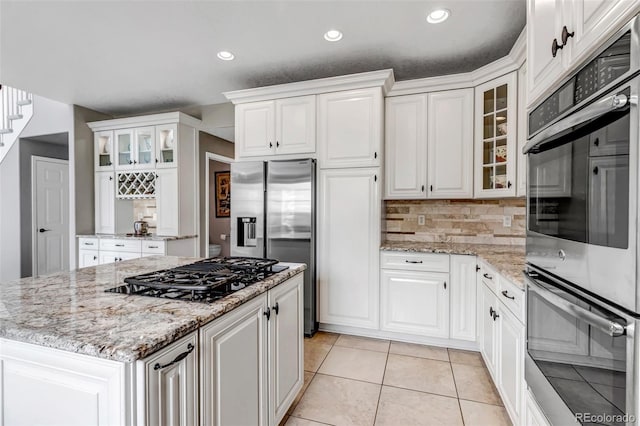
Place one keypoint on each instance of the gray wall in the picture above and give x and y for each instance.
(52, 146)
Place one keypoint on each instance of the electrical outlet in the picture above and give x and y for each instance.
(420, 219)
(506, 221)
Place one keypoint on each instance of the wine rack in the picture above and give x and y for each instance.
(136, 185)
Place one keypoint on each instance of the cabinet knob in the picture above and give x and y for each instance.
(276, 308)
(477, 268)
(431, 188)
(135, 161)
(270, 145)
(267, 313)
(130, 162)
(508, 184)
(375, 155)
(491, 311)
(595, 170)
(596, 142)
(95, 257)
(445, 285)
(422, 188)
(157, 161)
(375, 178)
(565, 35)
(110, 177)
(109, 163)
(555, 47)
(277, 144)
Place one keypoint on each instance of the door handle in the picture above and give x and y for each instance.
(43, 230)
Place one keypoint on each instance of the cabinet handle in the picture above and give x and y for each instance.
(375, 155)
(135, 161)
(445, 285)
(157, 161)
(277, 144)
(152, 246)
(115, 259)
(110, 177)
(431, 188)
(508, 184)
(120, 259)
(179, 358)
(130, 162)
(422, 188)
(88, 244)
(596, 142)
(555, 47)
(506, 294)
(477, 268)
(276, 308)
(495, 315)
(270, 145)
(375, 178)
(413, 261)
(487, 276)
(119, 245)
(565, 35)
(491, 311)
(267, 313)
(595, 170)
(109, 163)
(95, 257)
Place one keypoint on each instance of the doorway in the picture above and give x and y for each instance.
(218, 200)
(50, 215)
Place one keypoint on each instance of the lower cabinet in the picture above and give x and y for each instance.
(88, 258)
(533, 415)
(252, 359)
(97, 251)
(488, 340)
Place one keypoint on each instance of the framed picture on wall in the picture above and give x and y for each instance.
(223, 194)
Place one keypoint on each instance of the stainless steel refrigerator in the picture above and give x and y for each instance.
(273, 216)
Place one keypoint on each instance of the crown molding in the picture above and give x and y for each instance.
(382, 78)
(146, 120)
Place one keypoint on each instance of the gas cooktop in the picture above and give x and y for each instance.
(204, 281)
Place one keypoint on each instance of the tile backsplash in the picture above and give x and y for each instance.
(145, 210)
(456, 221)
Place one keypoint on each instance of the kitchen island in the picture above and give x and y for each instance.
(92, 357)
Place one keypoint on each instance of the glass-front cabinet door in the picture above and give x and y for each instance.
(103, 150)
(495, 140)
(167, 145)
(125, 148)
(144, 147)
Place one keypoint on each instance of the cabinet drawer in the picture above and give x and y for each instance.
(512, 297)
(432, 262)
(153, 247)
(121, 245)
(88, 243)
(488, 276)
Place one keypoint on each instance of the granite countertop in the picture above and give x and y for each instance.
(507, 260)
(71, 311)
(135, 237)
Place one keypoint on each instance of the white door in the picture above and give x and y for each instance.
(296, 125)
(255, 131)
(286, 353)
(350, 128)
(406, 147)
(450, 144)
(50, 198)
(105, 199)
(463, 297)
(511, 363)
(167, 206)
(348, 246)
(415, 302)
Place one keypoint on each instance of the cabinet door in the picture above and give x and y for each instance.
(545, 19)
(463, 297)
(172, 388)
(296, 125)
(167, 145)
(286, 353)
(350, 128)
(406, 147)
(105, 203)
(415, 302)
(88, 258)
(234, 367)
(450, 144)
(348, 247)
(533, 413)
(593, 22)
(255, 130)
(103, 150)
(108, 257)
(488, 329)
(511, 363)
(125, 148)
(167, 207)
(495, 147)
(522, 131)
(145, 146)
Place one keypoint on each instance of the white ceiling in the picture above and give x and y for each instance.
(145, 56)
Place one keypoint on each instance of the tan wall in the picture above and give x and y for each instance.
(214, 145)
(458, 221)
(218, 225)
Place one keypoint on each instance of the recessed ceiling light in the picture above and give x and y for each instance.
(333, 35)
(437, 16)
(226, 56)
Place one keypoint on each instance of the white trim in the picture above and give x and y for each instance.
(34, 236)
(209, 156)
(382, 78)
(146, 120)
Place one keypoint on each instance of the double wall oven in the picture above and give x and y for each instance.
(583, 298)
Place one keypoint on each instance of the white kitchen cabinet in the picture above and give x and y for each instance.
(495, 138)
(171, 383)
(88, 258)
(125, 148)
(103, 151)
(168, 209)
(145, 147)
(415, 302)
(523, 119)
(166, 150)
(406, 147)
(533, 413)
(511, 362)
(105, 194)
(350, 128)
(488, 330)
(286, 351)
(348, 246)
(282, 126)
(450, 144)
(117, 256)
(463, 297)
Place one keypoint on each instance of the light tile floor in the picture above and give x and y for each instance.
(351, 380)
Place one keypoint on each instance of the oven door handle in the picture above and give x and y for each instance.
(595, 110)
(604, 324)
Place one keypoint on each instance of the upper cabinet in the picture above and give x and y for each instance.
(522, 131)
(145, 147)
(429, 145)
(103, 149)
(282, 126)
(350, 128)
(495, 140)
(563, 33)
(167, 145)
